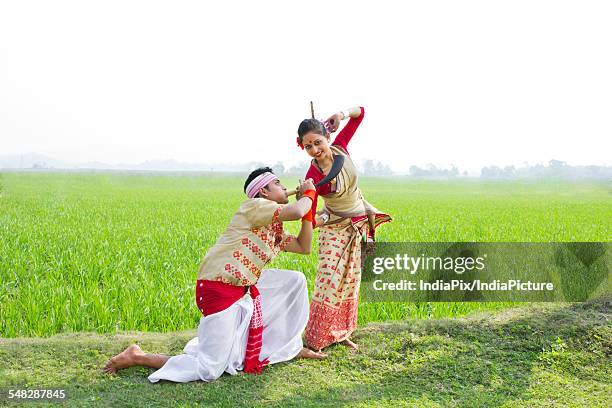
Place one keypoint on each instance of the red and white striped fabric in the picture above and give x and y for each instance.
(252, 364)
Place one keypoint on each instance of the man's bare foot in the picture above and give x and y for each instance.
(308, 353)
(127, 358)
(350, 344)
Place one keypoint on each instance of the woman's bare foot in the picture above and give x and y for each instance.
(127, 358)
(350, 344)
(308, 353)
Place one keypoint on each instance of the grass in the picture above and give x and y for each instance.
(113, 252)
(536, 355)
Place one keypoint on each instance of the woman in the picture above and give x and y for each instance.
(345, 220)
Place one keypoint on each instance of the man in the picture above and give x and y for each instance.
(251, 317)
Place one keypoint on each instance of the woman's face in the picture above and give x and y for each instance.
(316, 145)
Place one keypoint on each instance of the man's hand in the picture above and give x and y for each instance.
(307, 184)
(297, 210)
(298, 194)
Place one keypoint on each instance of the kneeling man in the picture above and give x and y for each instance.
(251, 317)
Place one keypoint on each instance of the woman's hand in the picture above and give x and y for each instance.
(321, 219)
(333, 122)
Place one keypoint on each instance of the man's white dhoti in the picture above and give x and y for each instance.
(222, 337)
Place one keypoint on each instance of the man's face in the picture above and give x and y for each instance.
(275, 191)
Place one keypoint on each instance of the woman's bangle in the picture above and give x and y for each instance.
(345, 114)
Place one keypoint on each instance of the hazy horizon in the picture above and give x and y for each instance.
(553, 168)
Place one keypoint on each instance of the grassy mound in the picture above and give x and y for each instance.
(534, 355)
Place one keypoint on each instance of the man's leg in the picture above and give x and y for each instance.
(134, 356)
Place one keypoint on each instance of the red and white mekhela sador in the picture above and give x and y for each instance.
(334, 305)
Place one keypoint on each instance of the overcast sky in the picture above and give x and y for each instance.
(469, 83)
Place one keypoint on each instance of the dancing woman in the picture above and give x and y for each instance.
(346, 219)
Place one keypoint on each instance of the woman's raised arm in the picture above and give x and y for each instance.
(344, 137)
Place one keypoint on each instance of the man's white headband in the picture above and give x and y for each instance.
(258, 183)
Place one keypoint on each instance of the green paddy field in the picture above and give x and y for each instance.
(110, 252)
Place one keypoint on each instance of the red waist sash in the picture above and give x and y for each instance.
(213, 297)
